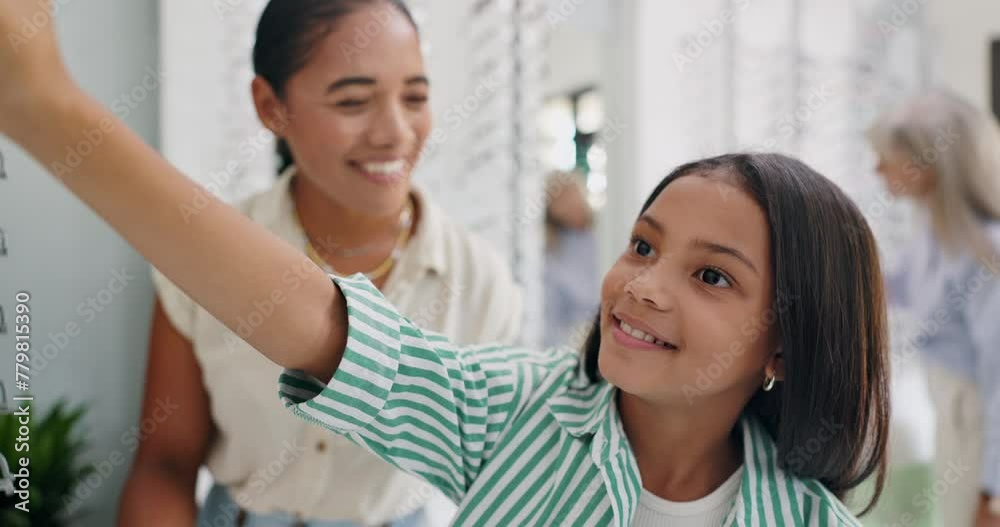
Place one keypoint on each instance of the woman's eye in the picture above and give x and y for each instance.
(417, 100)
(713, 277)
(350, 103)
(641, 248)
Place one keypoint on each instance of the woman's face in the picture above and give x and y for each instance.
(904, 178)
(697, 278)
(359, 111)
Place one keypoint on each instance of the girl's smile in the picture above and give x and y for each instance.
(631, 333)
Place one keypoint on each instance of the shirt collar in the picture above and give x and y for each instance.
(583, 409)
(426, 250)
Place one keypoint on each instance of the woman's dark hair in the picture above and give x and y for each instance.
(288, 33)
(832, 322)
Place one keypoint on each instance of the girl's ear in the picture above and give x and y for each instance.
(776, 365)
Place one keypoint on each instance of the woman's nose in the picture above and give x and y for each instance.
(390, 128)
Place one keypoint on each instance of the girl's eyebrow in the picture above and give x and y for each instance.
(724, 249)
(702, 243)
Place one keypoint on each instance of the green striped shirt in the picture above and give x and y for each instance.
(515, 437)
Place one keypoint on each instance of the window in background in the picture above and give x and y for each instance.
(570, 127)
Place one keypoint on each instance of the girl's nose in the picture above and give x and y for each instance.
(650, 286)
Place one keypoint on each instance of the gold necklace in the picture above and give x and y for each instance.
(406, 220)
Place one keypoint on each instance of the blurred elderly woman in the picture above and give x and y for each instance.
(944, 154)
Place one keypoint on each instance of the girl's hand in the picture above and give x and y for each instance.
(30, 61)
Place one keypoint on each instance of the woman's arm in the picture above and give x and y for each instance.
(165, 468)
(222, 260)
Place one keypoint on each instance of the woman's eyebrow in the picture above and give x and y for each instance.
(724, 249)
(370, 81)
(350, 81)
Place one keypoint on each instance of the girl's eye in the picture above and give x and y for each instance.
(417, 100)
(713, 277)
(640, 247)
(350, 103)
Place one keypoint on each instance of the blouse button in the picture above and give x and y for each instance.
(320, 446)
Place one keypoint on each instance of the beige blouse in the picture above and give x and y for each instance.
(446, 280)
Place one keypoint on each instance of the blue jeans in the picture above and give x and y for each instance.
(220, 510)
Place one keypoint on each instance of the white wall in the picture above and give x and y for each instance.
(961, 32)
(61, 253)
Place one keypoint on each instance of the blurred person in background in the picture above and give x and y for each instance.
(570, 273)
(352, 122)
(944, 154)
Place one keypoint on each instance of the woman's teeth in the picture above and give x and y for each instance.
(390, 167)
(642, 335)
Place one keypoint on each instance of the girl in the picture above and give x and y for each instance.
(944, 154)
(351, 128)
(736, 374)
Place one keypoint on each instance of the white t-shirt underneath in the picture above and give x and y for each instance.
(710, 511)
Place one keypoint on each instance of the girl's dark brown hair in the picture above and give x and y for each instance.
(288, 33)
(832, 322)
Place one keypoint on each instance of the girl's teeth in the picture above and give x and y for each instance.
(641, 335)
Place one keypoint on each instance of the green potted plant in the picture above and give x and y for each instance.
(56, 465)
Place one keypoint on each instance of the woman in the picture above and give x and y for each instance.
(944, 154)
(751, 270)
(351, 128)
(570, 270)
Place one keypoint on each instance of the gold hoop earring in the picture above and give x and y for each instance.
(769, 382)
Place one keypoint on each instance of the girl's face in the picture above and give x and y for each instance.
(358, 112)
(696, 278)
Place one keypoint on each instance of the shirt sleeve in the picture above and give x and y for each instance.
(983, 315)
(414, 399)
(179, 307)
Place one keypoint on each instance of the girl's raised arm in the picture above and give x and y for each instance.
(252, 281)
